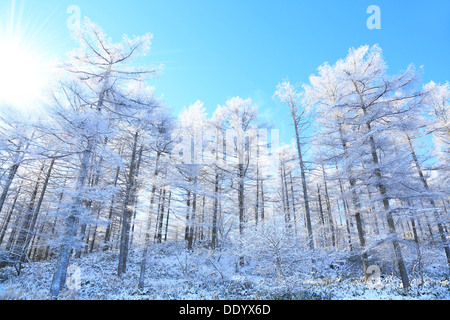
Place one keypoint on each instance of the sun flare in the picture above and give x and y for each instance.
(22, 76)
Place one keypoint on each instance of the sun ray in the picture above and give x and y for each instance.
(25, 66)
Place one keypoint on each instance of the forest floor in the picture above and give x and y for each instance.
(174, 274)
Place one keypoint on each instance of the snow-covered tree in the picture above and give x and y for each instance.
(90, 96)
(288, 94)
(366, 104)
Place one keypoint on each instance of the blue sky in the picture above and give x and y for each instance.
(215, 50)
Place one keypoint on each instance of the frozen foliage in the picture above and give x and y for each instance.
(174, 273)
(148, 205)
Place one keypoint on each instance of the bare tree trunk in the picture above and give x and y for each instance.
(48, 248)
(284, 199)
(322, 218)
(241, 200)
(14, 229)
(389, 217)
(441, 228)
(288, 207)
(17, 254)
(34, 247)
(8, 216)
(91, 206)
(106, 244)
(94, 236)
(143, 266)
(188, 216)
(192, 222)
(257, 195)
(215, 212)
(138, 168)
(11, 175)
(59, 277)
(168, 215)
(9, 180)
(158, 215)
(328, 204)
(304, 185)
(357, 206)
(263, 204)
(32, 225)
(419, 254)
(161, 216)
(127, 211)
(293, 203)
(345, 208)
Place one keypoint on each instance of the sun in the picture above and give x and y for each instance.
(22, 76)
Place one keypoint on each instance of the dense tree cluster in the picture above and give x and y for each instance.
(107, 167)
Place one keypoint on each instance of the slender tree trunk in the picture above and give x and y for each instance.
(138, 168)
(374, 213)
(192, 221)
(322, 218)
(37, 210)
(167, 218)
(257, 196)
(161, 216)
(82, 235)
(293, 204)
(263, 204)
(288, 207)
(26, 225)
(34, 247)
(241, 199)
(94, 236)
(55, 221)
(188, 216)
(8, 216)
(215, 217)
(143, 265)
(59, 277)
(328, 204)
(441, 228)
(107, 239)
(357, 206)
(14, 229)
(158, 215)
(10, 178)
(284, 199)
(127, 211)
(389, 217)
(304, 185)
(419, 254)
(319, 202)
(345, 207)
(215, 212)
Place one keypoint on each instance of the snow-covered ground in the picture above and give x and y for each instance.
(174, 274)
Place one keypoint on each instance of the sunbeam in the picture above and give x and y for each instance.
(24, 63)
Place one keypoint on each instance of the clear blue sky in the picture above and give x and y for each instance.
(216, 49)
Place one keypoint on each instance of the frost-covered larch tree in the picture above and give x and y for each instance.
(288, 94)
(90, 95)
(366, 100)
